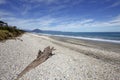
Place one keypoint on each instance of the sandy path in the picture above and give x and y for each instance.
(66, 64)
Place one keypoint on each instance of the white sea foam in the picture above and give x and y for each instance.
(86, 38)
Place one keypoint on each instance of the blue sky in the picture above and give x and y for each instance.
(63, 15)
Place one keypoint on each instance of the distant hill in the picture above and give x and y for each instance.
(45, 31)
(37, 30)
(50, 32)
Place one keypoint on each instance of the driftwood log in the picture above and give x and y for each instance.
(41, 57)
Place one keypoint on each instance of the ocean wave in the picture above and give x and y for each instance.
(85, 38)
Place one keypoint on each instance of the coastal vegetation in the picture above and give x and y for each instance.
(8, 32)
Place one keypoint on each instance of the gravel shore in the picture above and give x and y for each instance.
(70, 62)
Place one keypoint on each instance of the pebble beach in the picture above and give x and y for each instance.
(72, 60)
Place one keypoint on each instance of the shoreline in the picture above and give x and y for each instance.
(72, 60)
(96, 49)
(84, 38)
(103, 45)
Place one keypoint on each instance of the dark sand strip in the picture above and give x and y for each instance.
(100, 46)
(108, 46)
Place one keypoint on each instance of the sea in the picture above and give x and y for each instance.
(97, 36)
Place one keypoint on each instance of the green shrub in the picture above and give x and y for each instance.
(7, 32)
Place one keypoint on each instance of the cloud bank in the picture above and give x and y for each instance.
(60, 15)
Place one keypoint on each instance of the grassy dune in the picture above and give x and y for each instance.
(9, 32)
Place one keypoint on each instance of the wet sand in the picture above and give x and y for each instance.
(107, 46)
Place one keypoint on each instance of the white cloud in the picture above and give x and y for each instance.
(86, 24)
(29, 23)
(52, 6)
(5, 14)
(114, 22)
(46, 22)
(2, 1)
(115, 4)
(70, 25)
(53, 1)
(26, 8)
(40, 1)
(61, 24)
(86, 21)
(33, 4)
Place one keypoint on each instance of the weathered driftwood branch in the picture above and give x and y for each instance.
(41, 57)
